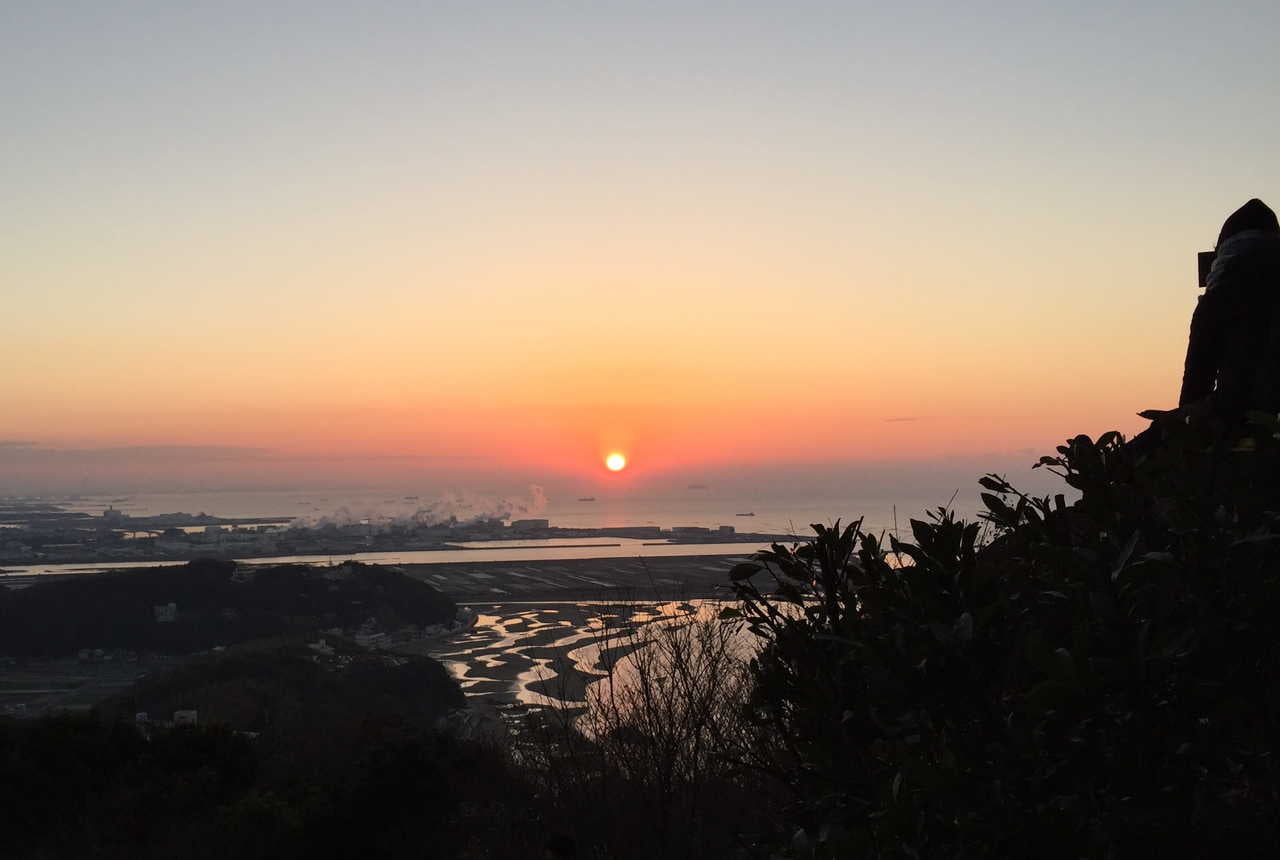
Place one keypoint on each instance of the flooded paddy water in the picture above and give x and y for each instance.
(547, 655)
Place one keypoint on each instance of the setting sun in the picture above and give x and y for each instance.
(615, 462)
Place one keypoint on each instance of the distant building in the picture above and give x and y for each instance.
(186, 718)
(530, 525)
(322, 646)
(243, 573)
(727, 530)
(371, 640)
(691, 530)
(111, 515)
(636, 531)
(369, 635)
(165, 614)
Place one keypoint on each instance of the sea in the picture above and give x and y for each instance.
(775, 512)
(531, 654)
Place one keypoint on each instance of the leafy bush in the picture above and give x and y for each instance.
(214, 606)
(1094, 680)
(76, 787)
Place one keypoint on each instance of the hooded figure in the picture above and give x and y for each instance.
(1234, 350)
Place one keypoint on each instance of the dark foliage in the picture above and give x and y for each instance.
(214, 607)
(283, 688)
(79, 788)
(343, 761)
(1098, 681)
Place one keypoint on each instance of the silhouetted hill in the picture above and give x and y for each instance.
(292, 757)
(288, 687)
(214, 603)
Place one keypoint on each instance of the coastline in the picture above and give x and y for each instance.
(28, 571)
(544, 635)
(534, 637)
(573, 580)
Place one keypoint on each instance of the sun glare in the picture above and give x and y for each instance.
(615, 462)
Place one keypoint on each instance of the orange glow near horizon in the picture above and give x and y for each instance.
(392, 261)
(392, 372)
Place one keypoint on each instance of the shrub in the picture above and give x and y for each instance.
(1096, 680)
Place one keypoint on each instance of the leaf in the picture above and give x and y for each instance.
(1104, 606)
(922, 531)
(1004, 514)
(800, 843)
(1064, 668)
(745, 570)
(992, 484)
(1256, 538)
(1123, 558)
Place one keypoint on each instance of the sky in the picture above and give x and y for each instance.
(279, 242)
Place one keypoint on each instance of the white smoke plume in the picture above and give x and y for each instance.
(456, 506)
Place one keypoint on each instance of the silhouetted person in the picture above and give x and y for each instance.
(1233, 355)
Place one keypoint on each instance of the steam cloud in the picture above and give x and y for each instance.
(456, 506)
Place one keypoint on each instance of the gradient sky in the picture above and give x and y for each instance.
(509, 237)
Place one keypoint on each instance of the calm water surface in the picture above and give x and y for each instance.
(775, 510)
(551, 550)
(549, 654)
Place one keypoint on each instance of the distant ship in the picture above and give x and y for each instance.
(411, 498)
(587, 498)
(697, 487)
(747, 514)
